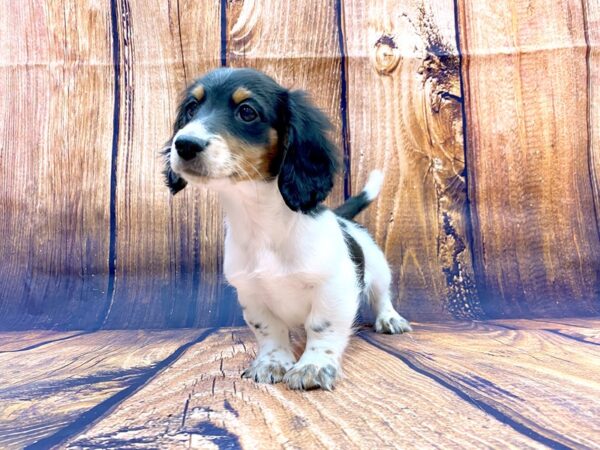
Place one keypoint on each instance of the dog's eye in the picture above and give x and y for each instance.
(247, 113)
(190, 109)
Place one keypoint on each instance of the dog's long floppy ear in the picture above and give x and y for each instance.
(173, 181)
(309, 160)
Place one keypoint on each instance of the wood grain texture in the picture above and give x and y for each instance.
(587, 322)
(54, 163)
(583, 330)
(405, 118)
(495, 384)
(91, 237)
(274, 37)
(201, 402)
(545, 384)
(527, 100)
(168, 252)
(591, 26)
(48, 389)
(17, 342)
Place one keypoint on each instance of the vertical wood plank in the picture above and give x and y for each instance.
(536, 241)
(591, 17)
(405, 117)
(296, 43)
(56, 75)
(168, 248)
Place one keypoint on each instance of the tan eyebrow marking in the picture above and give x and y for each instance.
(240, 95)
(198, 92)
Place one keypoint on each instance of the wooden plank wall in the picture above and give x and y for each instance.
(484, 116)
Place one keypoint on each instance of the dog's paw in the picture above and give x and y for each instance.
(269, 368)
(267, 372)
(392, 323)
(311, 376)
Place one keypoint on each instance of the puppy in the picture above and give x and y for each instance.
(294, 262)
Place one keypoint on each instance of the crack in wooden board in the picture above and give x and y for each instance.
(14, 342)
(586, 331)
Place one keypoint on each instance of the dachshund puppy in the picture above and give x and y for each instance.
(293, 262)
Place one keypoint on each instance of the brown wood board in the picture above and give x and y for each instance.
(543, 382)
(168, 251)
(467, 385)
(382, 403)
(404, 108)
(591, 25)
(48, 389)
(92, 238)
(56, 128)
(526, 73)
(16, 342)
(583, 330)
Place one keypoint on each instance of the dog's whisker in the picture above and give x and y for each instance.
(239, 160)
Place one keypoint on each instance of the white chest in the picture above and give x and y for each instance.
(282, 283)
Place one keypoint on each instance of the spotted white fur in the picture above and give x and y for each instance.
(294, 263)
(294, 270)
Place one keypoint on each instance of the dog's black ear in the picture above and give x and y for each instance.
(173, 181)
(309, 160)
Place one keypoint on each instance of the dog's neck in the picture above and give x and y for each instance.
(256, 212)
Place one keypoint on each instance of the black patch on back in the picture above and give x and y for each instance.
(356, 254)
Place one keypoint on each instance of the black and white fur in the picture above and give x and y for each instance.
(293, 262)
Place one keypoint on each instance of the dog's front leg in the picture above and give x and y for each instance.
(275, 356)
(327, 333)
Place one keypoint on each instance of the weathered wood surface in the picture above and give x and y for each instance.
(501, 221)
(55, 160)
(167, 255)
(528, 80)
(48, 389)
(16, 342)
(591, 16)
(584, 330)
(546, 383)
(403, 74)
(463, 385)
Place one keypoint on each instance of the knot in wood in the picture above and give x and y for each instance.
(387, 55)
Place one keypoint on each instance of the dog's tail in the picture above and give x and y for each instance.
(357, 203)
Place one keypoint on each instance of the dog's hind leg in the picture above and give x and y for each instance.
(387, 320)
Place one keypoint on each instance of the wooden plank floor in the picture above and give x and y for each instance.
(499, 384)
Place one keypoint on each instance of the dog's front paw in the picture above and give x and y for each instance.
(268, 370)
(311, 376)
(391, 323)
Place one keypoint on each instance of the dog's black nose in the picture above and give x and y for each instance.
(189, 146)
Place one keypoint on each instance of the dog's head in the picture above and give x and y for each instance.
(240, 125)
